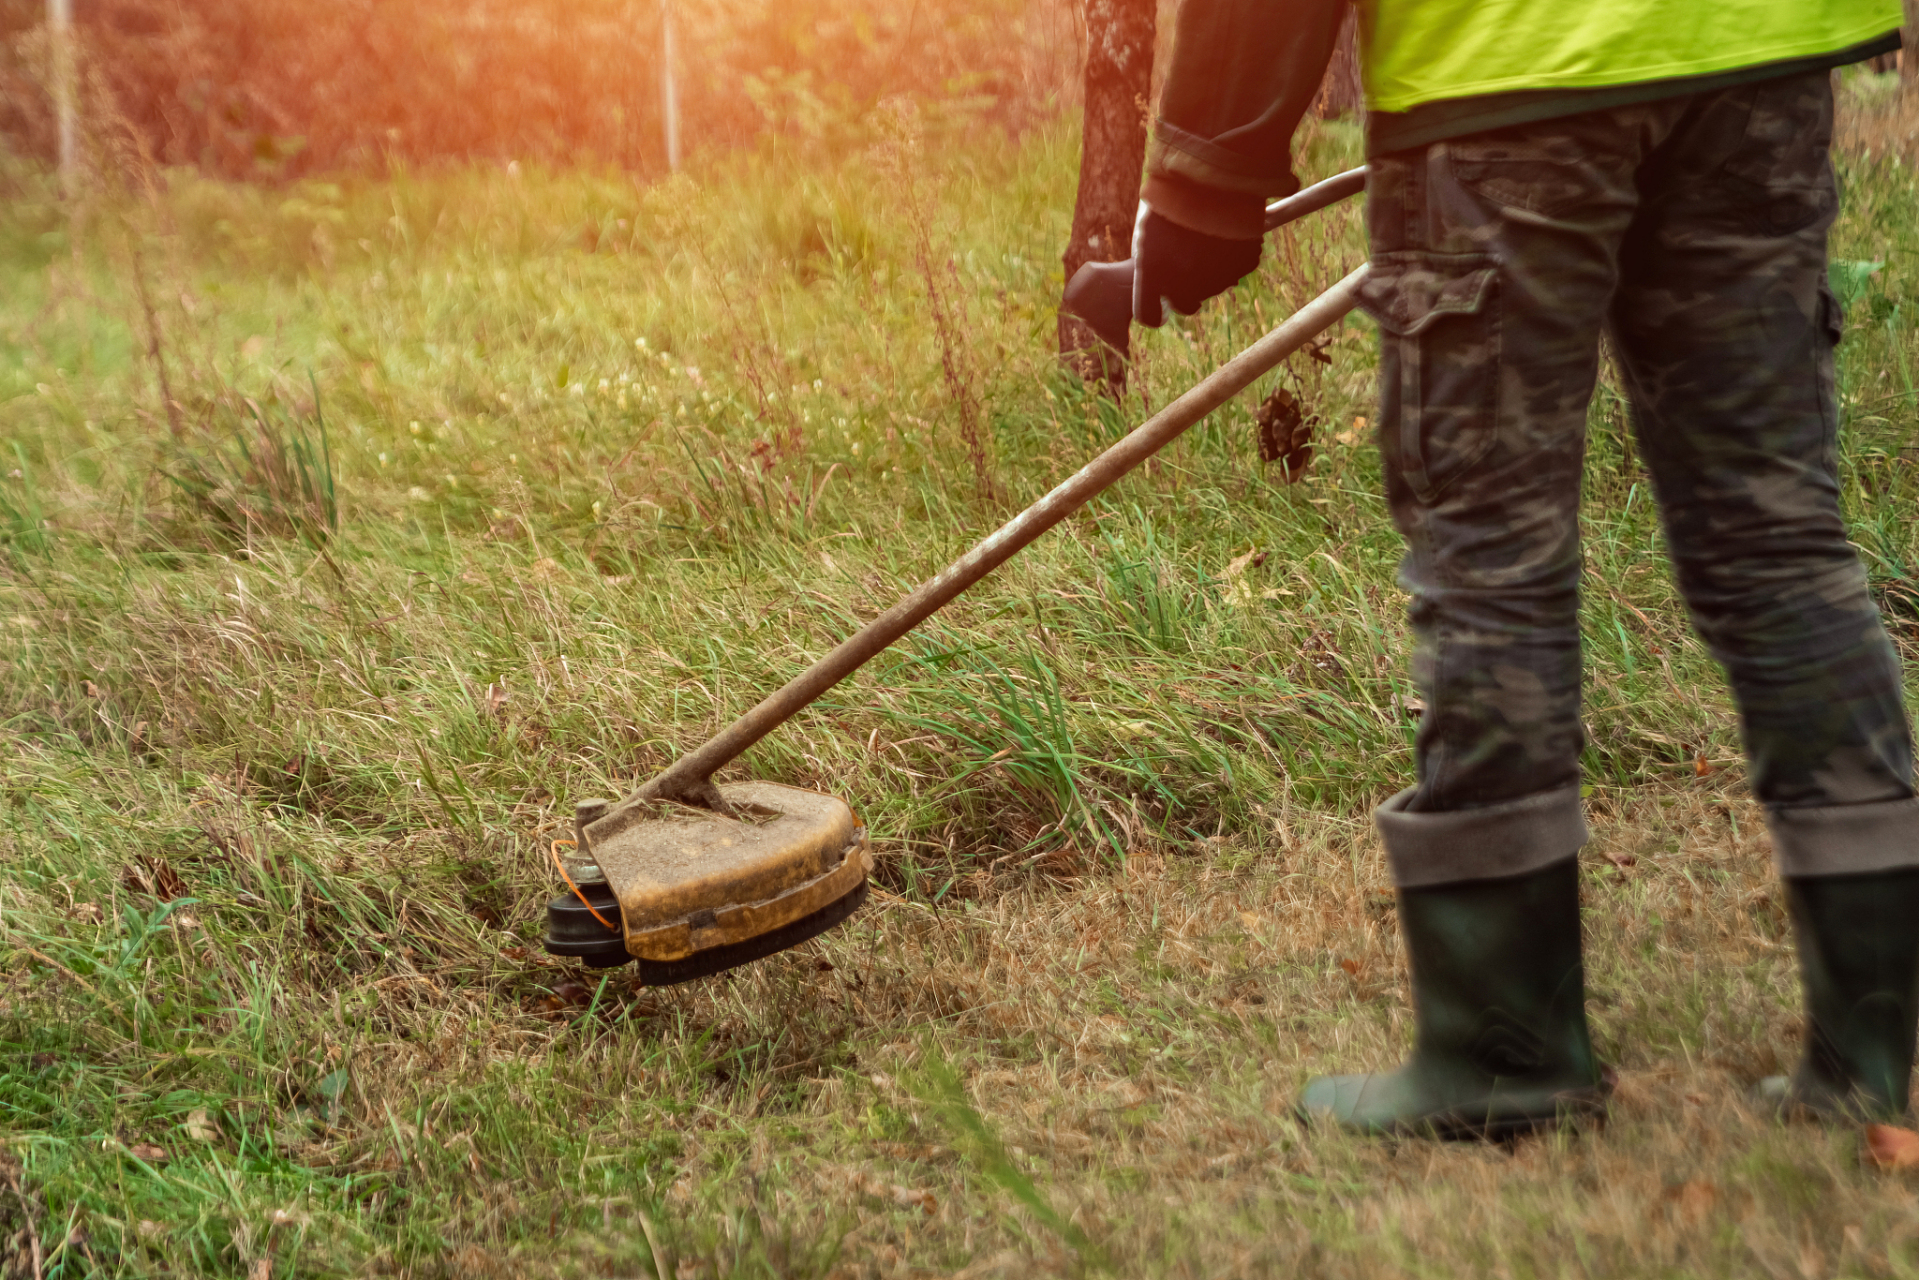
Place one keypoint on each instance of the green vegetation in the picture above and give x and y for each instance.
(469, 495)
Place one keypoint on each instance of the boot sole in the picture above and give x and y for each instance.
(1776, 1095)
(1575, 1110)
(1579, 1106)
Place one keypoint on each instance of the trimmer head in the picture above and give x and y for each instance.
(694, 892)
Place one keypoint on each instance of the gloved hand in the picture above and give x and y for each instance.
(1183, 266)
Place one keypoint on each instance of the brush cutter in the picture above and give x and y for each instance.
(692, 877)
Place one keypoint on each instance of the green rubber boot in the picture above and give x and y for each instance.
(1858, 939)
(1501, 1046)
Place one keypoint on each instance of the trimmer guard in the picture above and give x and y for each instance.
(690, 880)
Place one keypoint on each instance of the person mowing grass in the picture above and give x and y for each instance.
(1543, 170)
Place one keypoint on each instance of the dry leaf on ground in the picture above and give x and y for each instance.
(905, 1197)
(1692, 1200)
(155, 877)
(566, 996)
(912, 1150)
(1892, 1148)
(1239, 564)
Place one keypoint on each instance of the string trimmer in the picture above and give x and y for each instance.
(691, 877)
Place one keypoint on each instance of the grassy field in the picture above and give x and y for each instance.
(350, 532)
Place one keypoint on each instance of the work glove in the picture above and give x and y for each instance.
(1173, 263)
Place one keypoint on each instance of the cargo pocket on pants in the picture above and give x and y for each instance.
(1829, 330)
(1781, 171)
(1439, 366)
(1832, 316)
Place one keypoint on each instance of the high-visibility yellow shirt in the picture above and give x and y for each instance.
(1419, 51)
(1244, 71)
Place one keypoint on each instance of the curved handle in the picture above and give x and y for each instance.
(1101, 293)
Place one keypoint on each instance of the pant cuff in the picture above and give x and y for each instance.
(1500, 840)
(1845, 839)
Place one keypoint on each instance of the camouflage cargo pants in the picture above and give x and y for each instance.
(1693, 230)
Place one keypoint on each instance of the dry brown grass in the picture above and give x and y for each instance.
(1138, 1040)
(1135, 1040)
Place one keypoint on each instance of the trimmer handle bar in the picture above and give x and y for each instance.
(1101, 293)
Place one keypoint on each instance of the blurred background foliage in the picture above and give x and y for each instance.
(279, 89)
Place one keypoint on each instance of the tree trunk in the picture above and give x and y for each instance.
(1118, 80)
(1341, 91)
(1909, 56)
